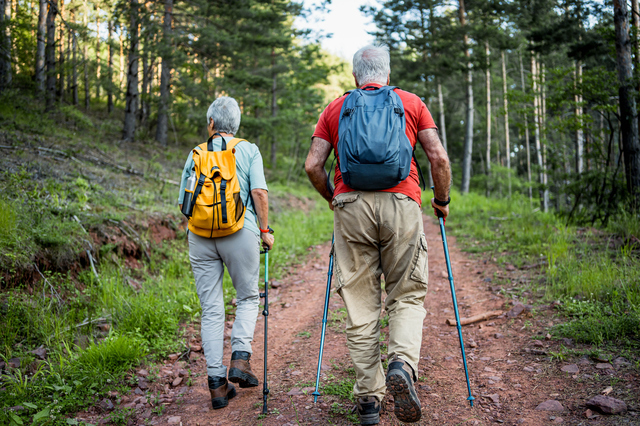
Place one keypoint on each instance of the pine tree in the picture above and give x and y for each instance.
(165, 79)
(131, 97)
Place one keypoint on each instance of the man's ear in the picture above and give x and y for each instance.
(211, 123)
(355, 80)
(388, 78)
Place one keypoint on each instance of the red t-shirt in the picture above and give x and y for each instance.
(418, 118)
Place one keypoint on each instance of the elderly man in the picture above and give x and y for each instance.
(381, 232)
(239, 251)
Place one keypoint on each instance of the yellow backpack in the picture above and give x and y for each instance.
(218, 210)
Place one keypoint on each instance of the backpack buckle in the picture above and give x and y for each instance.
(398, 111)
(348, 112)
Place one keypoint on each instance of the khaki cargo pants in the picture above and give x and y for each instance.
(380, 233)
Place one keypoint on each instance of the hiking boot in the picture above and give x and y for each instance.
(369, 410)
(221, 392)
(400, 384)
(240, 370)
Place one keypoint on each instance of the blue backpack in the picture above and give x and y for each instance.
(373, 150)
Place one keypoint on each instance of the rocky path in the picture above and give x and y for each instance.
(514, 377)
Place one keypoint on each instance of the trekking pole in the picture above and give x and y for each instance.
(453, 296)
(265, 312)
(316, 394)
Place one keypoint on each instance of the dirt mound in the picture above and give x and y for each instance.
(127, 239)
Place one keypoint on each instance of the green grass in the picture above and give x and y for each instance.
(113, 356)
(145, 322)
(597, 279)
(53, 201)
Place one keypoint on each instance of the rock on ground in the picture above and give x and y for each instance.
(550, 405)
(607, 404)
(571, 368)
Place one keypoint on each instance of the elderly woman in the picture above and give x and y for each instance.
(240, 252)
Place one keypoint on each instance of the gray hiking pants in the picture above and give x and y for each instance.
(240, 252)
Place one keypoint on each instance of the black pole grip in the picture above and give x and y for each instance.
(438, 212)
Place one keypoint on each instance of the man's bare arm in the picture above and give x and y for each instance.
(314, 166)
(440, 168)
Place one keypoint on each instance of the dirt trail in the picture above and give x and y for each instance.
(509, 371)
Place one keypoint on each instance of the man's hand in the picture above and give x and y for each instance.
(267, 240)
(444, 210)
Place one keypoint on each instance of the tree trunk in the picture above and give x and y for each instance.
(543, 141)
(577, 98)
(443, 127)
(9, 75)
(85, 59)
(147, 112)
(144, 95)
(70, 53)
(51, 54)
(131, 97)
(121, 39)
(635, 21)
(488, 88)
(628, 110)
(536, 125)
(506, 120)
(468, 139)
(526, 131)
(75, 67)
(98, 53)
(61, 66)
(40, 47)
(274, 106)
(165, 77)
(5, 47)
(5, 52)
(110, 70)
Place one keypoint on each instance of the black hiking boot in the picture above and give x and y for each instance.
(240, 370)
(400, 384)
(369, 410)
(221, 392)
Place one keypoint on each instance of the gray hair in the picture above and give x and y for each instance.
(371, 64)
(226, 115)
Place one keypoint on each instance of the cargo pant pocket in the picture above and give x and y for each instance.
(343, 268)
(345, 198)
(420, 272)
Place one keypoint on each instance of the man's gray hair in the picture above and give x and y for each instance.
(226, 115)
(371, 64)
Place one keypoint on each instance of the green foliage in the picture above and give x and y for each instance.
(154, 320)
(508, 227)
(78, 119)
(598, 325)
(342, 388)
(113, 356)
(600, 286)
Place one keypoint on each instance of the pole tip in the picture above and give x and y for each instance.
(471, 399)
(316, 394)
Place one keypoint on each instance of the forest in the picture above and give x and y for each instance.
(536, 103)
(556, 83)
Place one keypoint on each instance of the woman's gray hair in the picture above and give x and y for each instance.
(371, 64)
(226, 115)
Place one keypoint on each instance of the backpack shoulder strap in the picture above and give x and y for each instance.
(235, 141)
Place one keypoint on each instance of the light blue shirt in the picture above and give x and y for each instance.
(249, 169)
